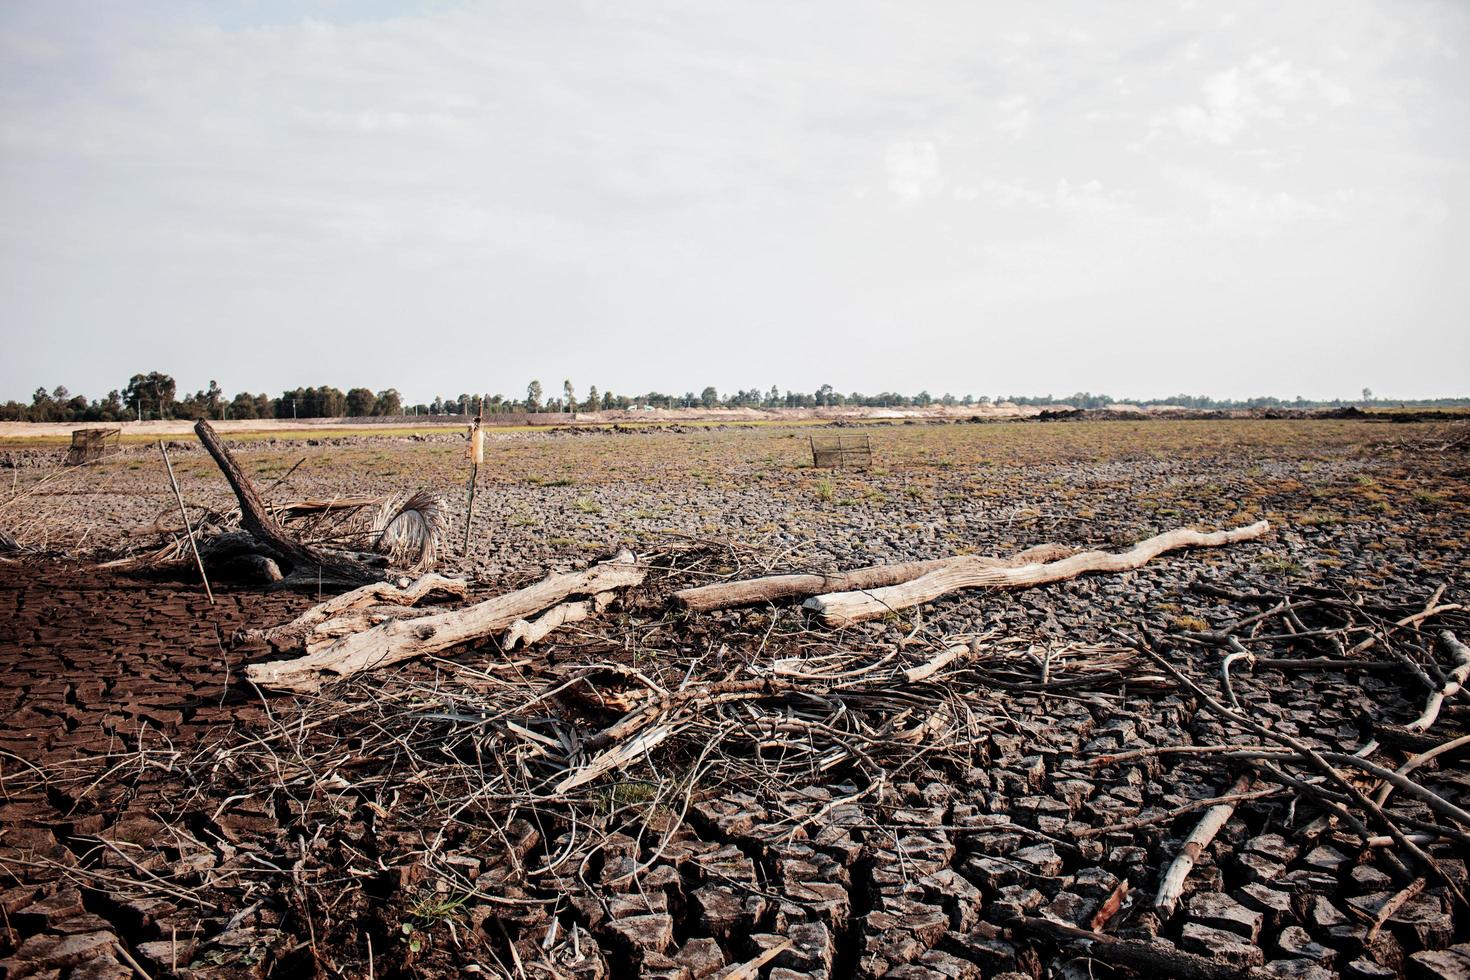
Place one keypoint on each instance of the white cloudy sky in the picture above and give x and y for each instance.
(1137, 198)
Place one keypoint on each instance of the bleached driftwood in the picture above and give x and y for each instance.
(771, 588)
(928, 669)
(534, 631)
(1171, 887)
(1453, 684)
(319, 620)
(966, 572)
(403, 639)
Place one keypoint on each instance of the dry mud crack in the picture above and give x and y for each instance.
(160, 817)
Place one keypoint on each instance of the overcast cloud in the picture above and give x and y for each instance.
(1231, 199)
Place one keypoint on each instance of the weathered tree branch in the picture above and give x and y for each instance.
(525, 632)
(297, 634)
(1171, 886)
(257, 519)
(772, 588)
(966, 572)
(1153, 958)
(404, 639)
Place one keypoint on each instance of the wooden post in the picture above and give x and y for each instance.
(477, 455)
(188, 528)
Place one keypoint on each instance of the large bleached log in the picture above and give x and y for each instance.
(772, 588)
(965, 572)
(297, 633)
(403, 639)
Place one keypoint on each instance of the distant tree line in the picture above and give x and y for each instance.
(155, 395)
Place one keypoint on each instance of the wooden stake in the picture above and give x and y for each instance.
(188, 528)
(477, 455)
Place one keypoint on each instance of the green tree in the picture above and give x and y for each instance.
(592, 403)
(151, 393)
(570, 396)
(533, 396)
(709, 397)
(388, 402)
(360, 401)
(112, 406)
(243, 406)
(43, 406)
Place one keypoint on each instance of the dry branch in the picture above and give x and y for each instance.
(1172, 884)
(526, 633)
(1418, 760)
(933, 666)
(615, 758)
(771, 588)
(966, 572)
(184, 516)
(404, 639)
(1452, 685)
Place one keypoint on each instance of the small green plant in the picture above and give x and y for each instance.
(586, 505)
(436, 908)
(1273, 564)
(825, 490)
(1428, 499)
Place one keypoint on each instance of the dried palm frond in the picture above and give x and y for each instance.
(409, 530)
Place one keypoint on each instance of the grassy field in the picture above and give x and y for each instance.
(959, 488)
(49, 438)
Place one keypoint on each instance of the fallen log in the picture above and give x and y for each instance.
(297, 634)
(256, 518)
(772, 588)
(403, 639)
(966, 572)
